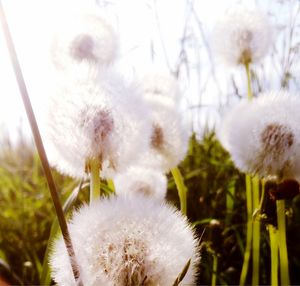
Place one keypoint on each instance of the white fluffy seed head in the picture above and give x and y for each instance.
(127, 241)
(242, 36)
(169, 138)
(81, 42)
(169, 135)
(263, 135)
(140, 180)
(104, 119)
(161, 87)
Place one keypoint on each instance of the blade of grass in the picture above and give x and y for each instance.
(230, 201)
(111, 185)
(181, 276)
(181, 188)
(202, 221)
(7, 268)
(39, 145)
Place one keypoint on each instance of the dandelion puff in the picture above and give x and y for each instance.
(169, 135)
(242, 36)
(263, 135)
(127, 241)
(140, 180)
(161, 87)
(81, 42)
(104, 119)
(169, 138)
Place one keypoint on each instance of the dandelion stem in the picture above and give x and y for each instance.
(247, 253)
(249, 90)
(95, 191)
(283, 255)
(274, 255)
(40, 147)
(214, 270)
(181, 188)
(256, 233)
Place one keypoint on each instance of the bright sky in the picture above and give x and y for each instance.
(140, 25)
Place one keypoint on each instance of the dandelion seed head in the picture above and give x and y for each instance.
(140, 180)
(242, 36)
(157, 137)
(169, 138)
(142, 243)
(263, 135)
(104, 119)
(83, 41)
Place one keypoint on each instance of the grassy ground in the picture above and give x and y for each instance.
(216, 205)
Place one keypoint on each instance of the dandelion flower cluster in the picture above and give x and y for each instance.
(263, 135)
(96, 119)
(169, 134)
(127, 241)
(242, 36)
(140, 180)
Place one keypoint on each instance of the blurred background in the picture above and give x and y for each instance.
(167, 35)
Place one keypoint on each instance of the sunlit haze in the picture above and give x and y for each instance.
(150, 34)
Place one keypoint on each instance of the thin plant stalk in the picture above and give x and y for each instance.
(274, 254)
(214, 270)
(249, 90)
(255, 204)
(40, 147)
(249, 234)
(247, 253)
(95, 182)
(283, 254)
(181, 188)
(255, 233)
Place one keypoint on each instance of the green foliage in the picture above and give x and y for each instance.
(216, 206)
(26, 212)
(216, 199)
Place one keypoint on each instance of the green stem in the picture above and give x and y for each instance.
(247, 67)
(95, 191)
(256, 233)
(214, 270)
(247, 253)
(274, 255)
(283, 255)
(181, 188)
(262, 197)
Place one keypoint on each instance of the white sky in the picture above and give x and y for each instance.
(136, 22)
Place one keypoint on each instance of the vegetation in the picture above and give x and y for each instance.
(216, 206)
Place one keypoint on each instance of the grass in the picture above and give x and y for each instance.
(216, 203)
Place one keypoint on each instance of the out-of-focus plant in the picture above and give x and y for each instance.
(26, 211)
